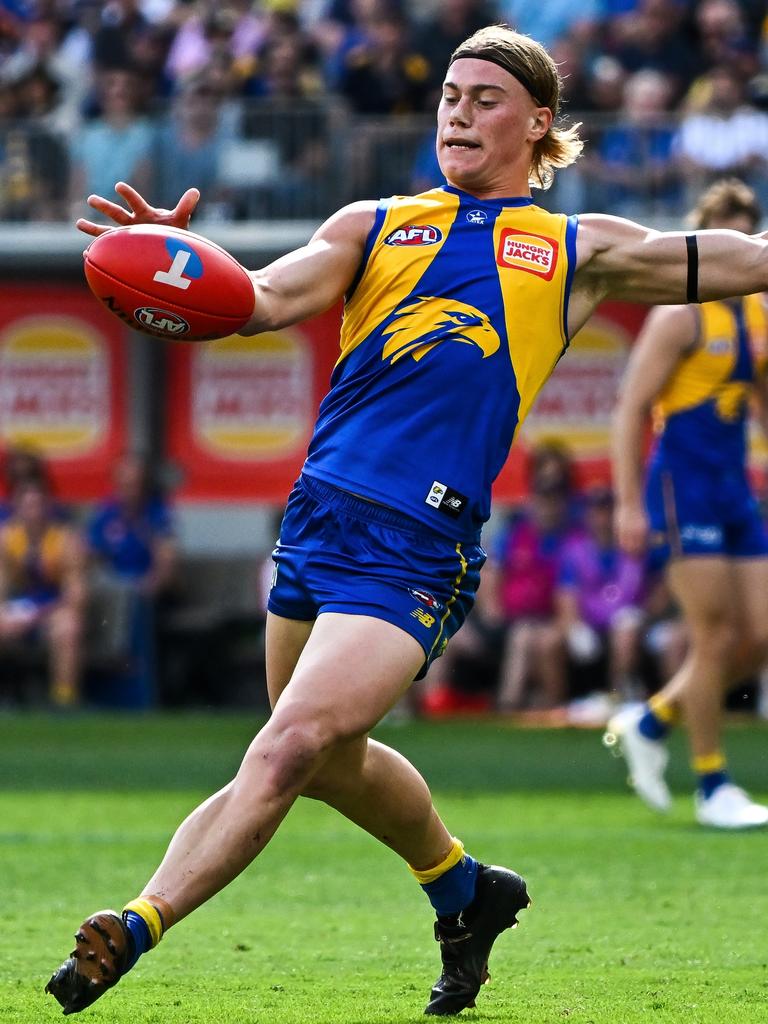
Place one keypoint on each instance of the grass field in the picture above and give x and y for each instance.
(635, 919)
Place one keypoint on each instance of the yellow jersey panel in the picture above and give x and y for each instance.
(703, 406)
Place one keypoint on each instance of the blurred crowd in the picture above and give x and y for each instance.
(566, 626)
(288, 107)
(81, 591)
(101, 605)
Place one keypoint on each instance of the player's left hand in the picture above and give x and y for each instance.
(139, 212)
(631, 525)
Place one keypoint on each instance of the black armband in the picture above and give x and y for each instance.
(692, 289)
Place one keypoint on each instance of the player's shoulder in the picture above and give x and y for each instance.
(354, 220)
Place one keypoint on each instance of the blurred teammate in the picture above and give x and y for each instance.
(459, 302)
(43, 586)
(698, 366)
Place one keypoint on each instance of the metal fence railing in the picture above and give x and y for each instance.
(269, 160)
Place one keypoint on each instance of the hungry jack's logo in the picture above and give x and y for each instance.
(521, 250)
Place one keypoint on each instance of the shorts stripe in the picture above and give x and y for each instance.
(670, 514)
(452, 599)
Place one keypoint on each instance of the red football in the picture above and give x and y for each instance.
(169, 283)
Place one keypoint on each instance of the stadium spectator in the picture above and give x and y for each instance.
(43, 588)
(654, 36)
(525, 570)
(600, 595)
(425, 170)
(724, 38)
(289, 118)
(131, 540)
(385, 75)
(188, 146)
(572, 57)
(632, 167)
(34, 156)
(721, 134)
(117, 145)
(20, 465)
(553, 20)
(438, 36)
(232, 33)
(464, 680)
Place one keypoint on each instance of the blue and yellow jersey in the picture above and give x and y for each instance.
(34, 571)
(457, 317)
(702, 410)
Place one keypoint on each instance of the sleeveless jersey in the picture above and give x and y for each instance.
(457, 318)
(35, 572)
(702, 411)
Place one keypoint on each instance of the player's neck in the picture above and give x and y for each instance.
(509, 187)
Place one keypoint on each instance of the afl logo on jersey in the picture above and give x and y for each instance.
(520, 250)
(720, 346)
(477, 216)
(415, 234)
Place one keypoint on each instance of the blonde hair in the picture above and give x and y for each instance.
(723, 200)
(535, 69)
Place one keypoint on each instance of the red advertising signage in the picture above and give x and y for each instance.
(241, 410)
(62, 368)
(576, 404)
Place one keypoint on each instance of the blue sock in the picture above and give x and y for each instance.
(709, 782)
(651, 726)
(139, 934)
(453, 891)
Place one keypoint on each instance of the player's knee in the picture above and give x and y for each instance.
(297, 743)
(339, 773)
(752, 650)
(65, 626)
(717, 640)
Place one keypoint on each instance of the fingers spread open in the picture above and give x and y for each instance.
(113, 210)
(89, 228)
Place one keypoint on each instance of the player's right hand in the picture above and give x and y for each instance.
(139, 212)
(631, 525)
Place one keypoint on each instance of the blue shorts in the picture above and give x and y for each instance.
(702, 510)
(340, 553)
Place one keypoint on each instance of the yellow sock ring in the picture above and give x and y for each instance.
(431, 874)
(150, 915)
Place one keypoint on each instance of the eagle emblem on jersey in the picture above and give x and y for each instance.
(420, 324)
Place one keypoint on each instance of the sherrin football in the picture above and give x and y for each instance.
(169, 283)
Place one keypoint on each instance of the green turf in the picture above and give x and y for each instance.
(635, 919)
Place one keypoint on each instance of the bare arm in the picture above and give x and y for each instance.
(667, 333)
(618, 259)
(760, 404)
(311, 279)
(74, 586)
(5, 582)
(293, 288)
(164, 563)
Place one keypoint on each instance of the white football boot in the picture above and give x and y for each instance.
(646, 759)
(730, 807)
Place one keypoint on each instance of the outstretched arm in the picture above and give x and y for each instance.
(311, 279)
(666, 335)
(619, 259)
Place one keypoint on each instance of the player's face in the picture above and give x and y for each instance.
(487, 123)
